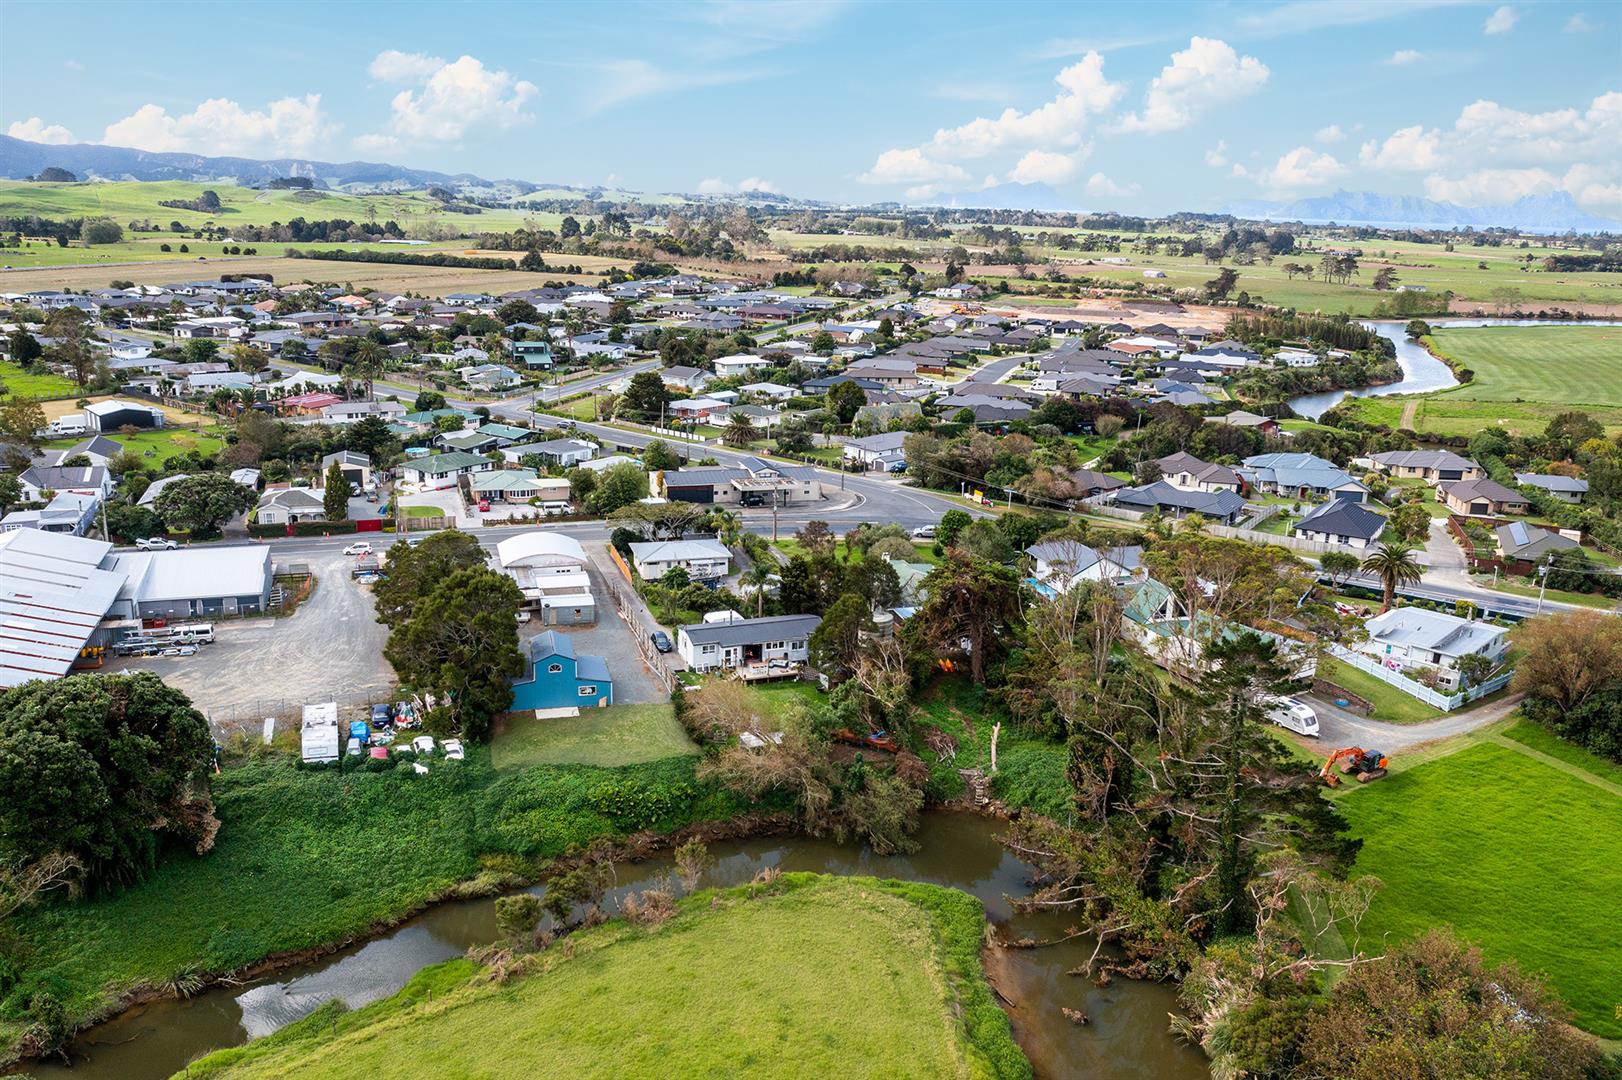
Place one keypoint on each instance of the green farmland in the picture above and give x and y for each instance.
(1524, 377)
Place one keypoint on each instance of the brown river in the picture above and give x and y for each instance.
(1127, 1035)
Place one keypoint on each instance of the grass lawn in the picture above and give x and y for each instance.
(1390, 704)
(161, 445)
(423, 511)
(1544, 741)
(621, 735)
(777, 973)
(1525, 375)
(1522, 858)
(304, 858)
(923, 551)
(25, 384)
(1593, 600)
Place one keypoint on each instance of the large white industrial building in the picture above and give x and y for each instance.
(550, 570)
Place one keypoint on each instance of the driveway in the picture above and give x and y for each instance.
(331, 648)
(611, 639)
(1337, 727)
(1447, 565)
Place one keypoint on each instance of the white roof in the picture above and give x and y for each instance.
(53, 592)
(539, 549)
(100, 408)
(677, 550)
(187, 573)
(1436, 631)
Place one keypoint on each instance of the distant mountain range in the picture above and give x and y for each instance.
(1552, 213)
(89, 161)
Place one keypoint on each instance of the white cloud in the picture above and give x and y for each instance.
(1595, 185)
(1403, 57)
(391, 65)
(1099, 184)
(1206, 73)
(1300, 168)
(452, 99)
(1217, 156)
(620, 81)
(1579, 24)
(1058, 123)
(1329, 135)
(291, 127)
(714, 185)
(73, 65)
(1500, 21)
(1409, 150)
(1044, 167)
(912, 166)
(1491, 187)
(36, 130)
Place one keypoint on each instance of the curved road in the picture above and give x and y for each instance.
(1337, 727)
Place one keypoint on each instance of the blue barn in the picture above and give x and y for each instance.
(555, 678)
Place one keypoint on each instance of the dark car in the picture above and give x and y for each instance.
(661, 641)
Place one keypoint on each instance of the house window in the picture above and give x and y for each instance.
(588, 691)
(708, 650)
(777, 645)
(799, 645)
(554, 668)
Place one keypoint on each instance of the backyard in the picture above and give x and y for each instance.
(1390, 704)
(621, 735)
(1514, 846)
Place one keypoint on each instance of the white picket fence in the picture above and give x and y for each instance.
(1434, 698)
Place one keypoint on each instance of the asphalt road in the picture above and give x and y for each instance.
(1337, 727)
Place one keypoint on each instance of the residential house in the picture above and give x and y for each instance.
(886, 372)
(348, 412)
(505, 435)
(533, 354)
(467, 442)
(1483, 497)
(149, 497)
(703, 560)
(489, 376)
(1299, 476)
(727, 645)
(518, 486)
(98, 449)
(882, 451)
(1090, 484)
(68, 512)
(1241, 419)
(1568, 489)
(681, 377)
(1223, 507)
(555, 677)
(443, 470)
(281, 505)
(697, 409)
(308, 404)
(1431, 466)
(1188, 473)
(1520, 542)
(1410, 637)
(770, 391)
(1345, 521)
(563, 453)
(755, 483)
(1061, 565)
(727, 367)
(37, 481)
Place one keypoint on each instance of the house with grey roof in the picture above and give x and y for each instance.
(1431, 466)
(1410, 637)
(1521, 542)
(1300, 476)
(1482, 497)
(1341, 521)
(721, 646)
(1184, 470)
(1570, 489)
(1220, 506)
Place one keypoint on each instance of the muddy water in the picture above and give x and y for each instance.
(1127, 1036)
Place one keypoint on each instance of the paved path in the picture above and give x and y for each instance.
(1337, 727)
(1446, 564)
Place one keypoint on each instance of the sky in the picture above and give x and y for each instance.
(1137, 107)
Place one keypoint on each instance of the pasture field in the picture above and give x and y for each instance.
(1519, 855)
(777, 970)
(148, 247)
(28, 385)
(621, 735)
(1525, 376)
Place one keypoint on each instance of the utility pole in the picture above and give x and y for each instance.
(1543, 581)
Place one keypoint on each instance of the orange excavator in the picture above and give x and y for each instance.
(1355, 761)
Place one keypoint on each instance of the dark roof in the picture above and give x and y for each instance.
(1220, 504)
(1343, 517)
(751, 631)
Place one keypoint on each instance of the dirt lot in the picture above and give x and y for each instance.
(330, 649)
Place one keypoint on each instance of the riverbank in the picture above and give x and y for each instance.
(778, 967)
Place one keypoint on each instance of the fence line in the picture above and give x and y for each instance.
(1434, 698)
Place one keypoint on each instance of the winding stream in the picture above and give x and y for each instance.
(1127, 1036)
(1421, 372)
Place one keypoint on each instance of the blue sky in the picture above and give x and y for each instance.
(1143, 107)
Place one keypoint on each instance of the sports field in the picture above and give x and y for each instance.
(1525, 375)
(1518, 851)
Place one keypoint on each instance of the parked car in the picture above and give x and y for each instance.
(382, 715)
(924, 532)
(453, 749)
(360, 547)
(1295, 715)
(156, 543)
(522, 617)
(661, 641)
(423, 744)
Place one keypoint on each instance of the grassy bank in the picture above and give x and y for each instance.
(1520, 857)
(1390, 704)
(307, 859)
(817, 976)
(25, 384)
(1030, 770)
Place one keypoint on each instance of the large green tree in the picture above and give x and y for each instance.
(201, 504)
(335, 495)
(103, 768)
(970, 599)
(1395, 565)
(619, 486)
(460, 645)
(644, 398)
(412, 571)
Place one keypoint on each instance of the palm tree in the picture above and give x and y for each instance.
(758, 576)
(368, 360)
(740, 430)
(1394, 564)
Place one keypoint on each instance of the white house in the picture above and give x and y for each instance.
(739, 364)
(724, 645)
(280, 505)
(771, 391)
(704, 560)
(877, 450)
(1416, 637)
(1063, 564)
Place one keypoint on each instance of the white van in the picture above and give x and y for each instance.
(1295, 715)
(555, 506)
(67, 426)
